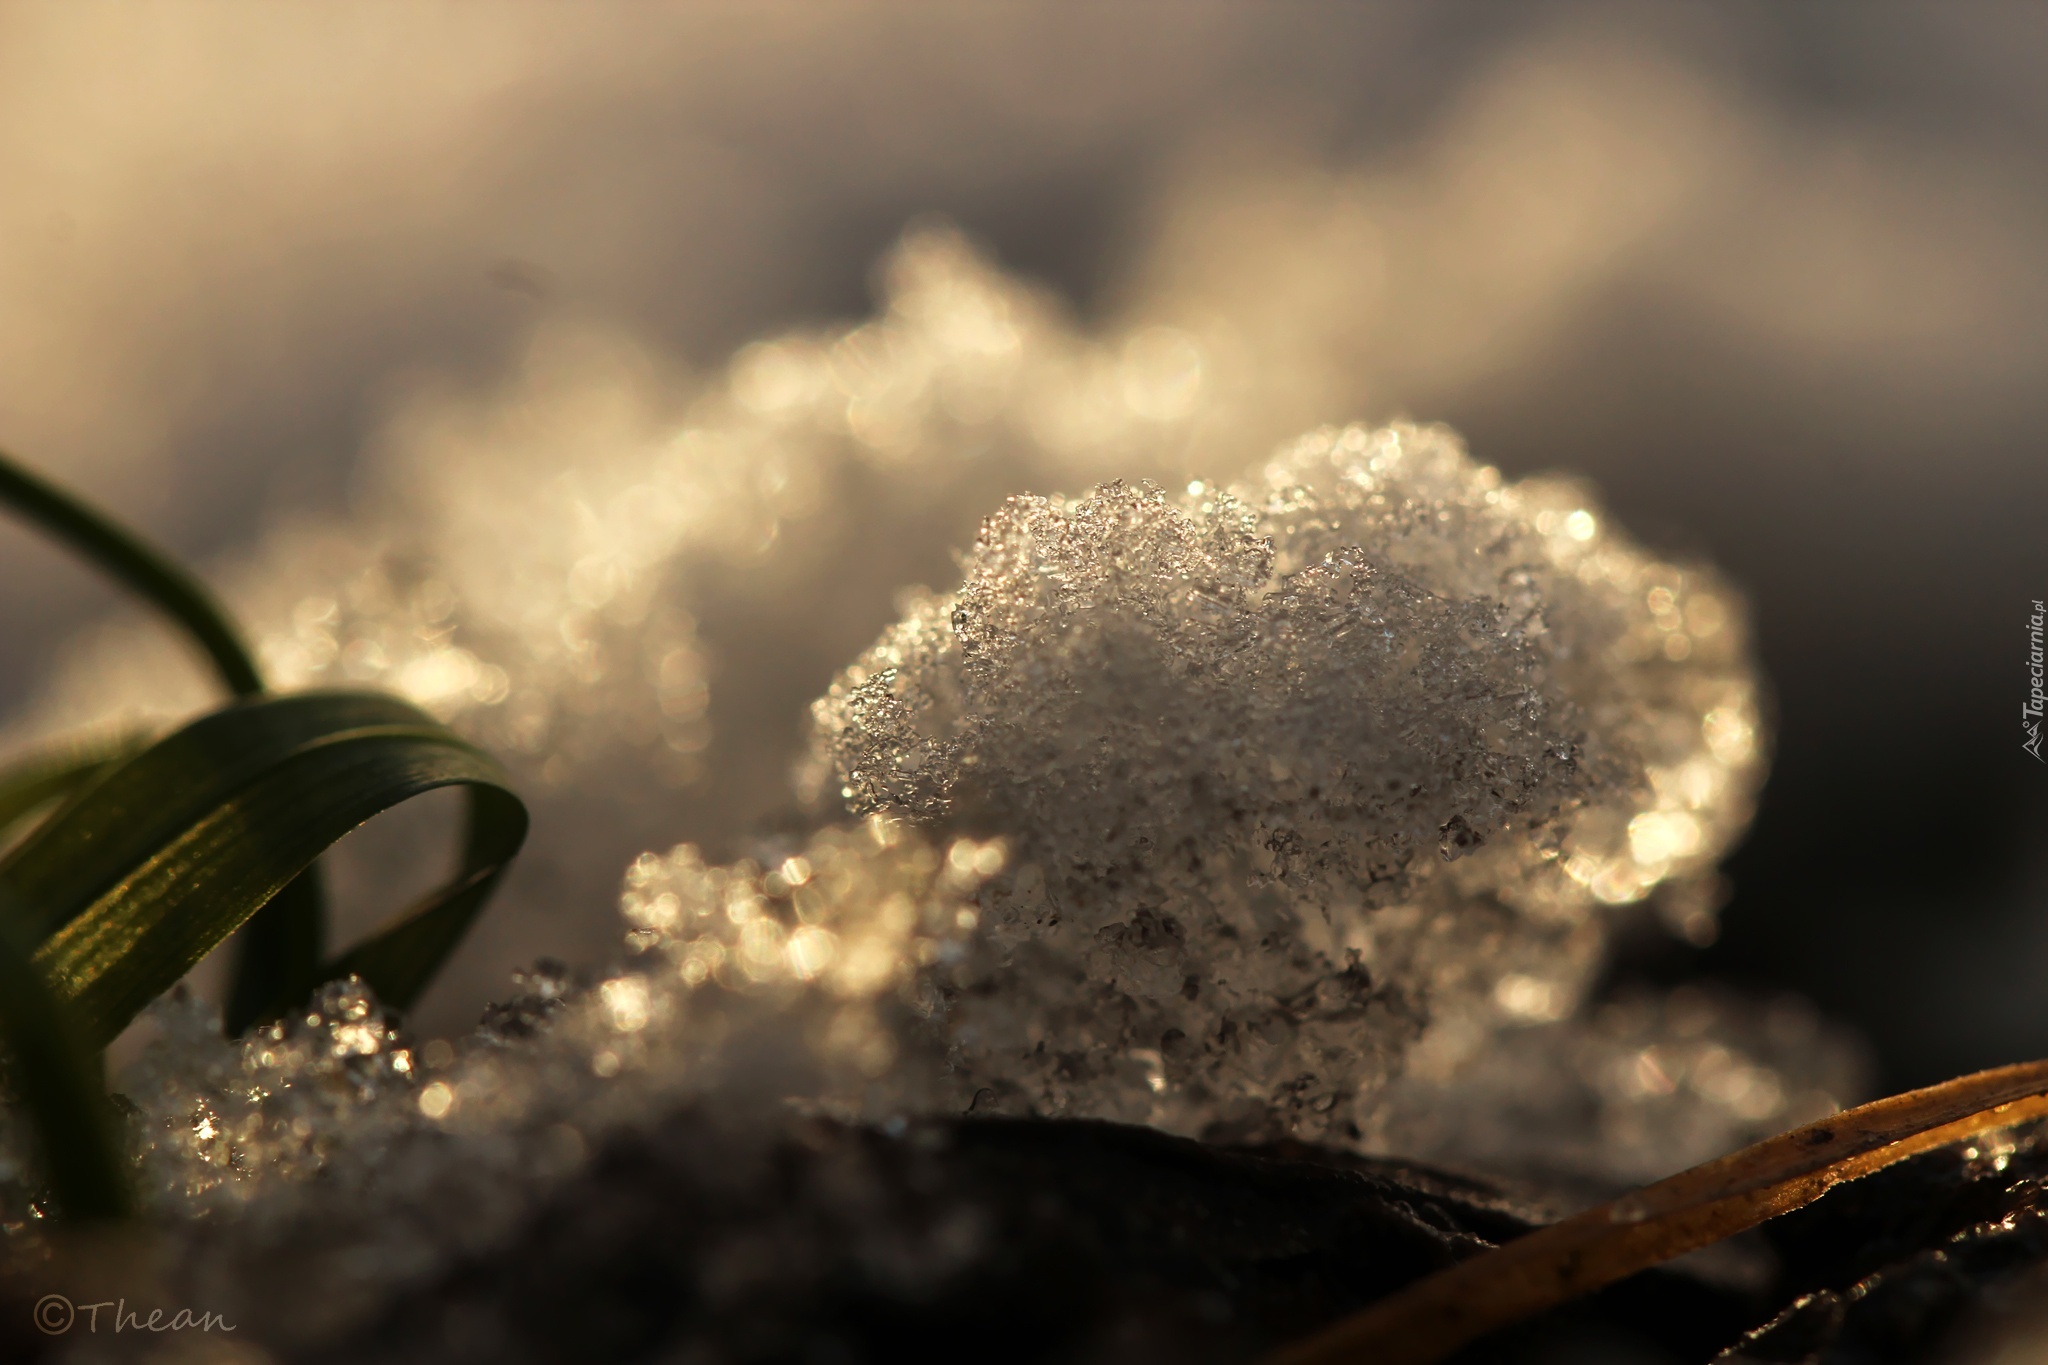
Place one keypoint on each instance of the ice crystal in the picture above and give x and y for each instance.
(269, 1107)
(1293, 768)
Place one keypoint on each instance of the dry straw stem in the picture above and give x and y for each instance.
(1435, 1316)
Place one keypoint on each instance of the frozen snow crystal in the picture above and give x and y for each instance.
(1294, 771)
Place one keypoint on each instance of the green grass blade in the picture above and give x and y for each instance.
(278, 959)
(284, 943)
(51, 1074)
(137, 808)
(130, 944)
(149, 860)
(142, 569)
(277, 946)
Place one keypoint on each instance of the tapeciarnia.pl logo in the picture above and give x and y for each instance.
(2030, 714)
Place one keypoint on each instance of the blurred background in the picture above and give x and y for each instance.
(1776, 278)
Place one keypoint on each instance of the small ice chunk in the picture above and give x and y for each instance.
(1293, 770)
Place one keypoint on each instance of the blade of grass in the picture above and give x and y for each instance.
(138, 807)
(235, 850)
(150, 860)
(159, 792)
(278, 956)
(1433, 1317)
(144, 570)
(285, 942)
(50, 1072)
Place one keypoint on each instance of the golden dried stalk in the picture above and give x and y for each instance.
(1433, 1317)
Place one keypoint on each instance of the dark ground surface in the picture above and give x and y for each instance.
(1017, 1240)
(1022, 1240)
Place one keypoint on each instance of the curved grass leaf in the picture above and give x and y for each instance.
(285, 942)
(141, 805)
(135, 881)
(1430, 1319)
(49, 1072)
(150, 859)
